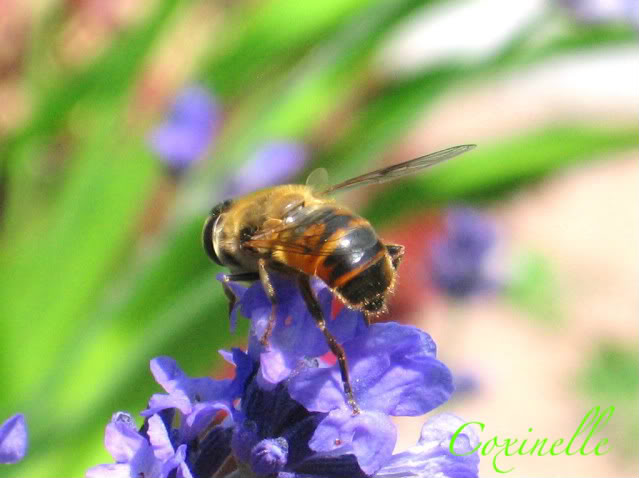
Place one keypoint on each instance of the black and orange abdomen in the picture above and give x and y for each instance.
(343, 250)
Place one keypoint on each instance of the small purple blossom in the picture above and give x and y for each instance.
(272, 164)
(287, 416)
(198, 399)
(13, 439)
(460, 260)
(604, 11)
(145, 453)
(191, 125)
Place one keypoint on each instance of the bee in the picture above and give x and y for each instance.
(301, 232)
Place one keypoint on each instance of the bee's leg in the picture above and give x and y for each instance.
(270, 293)
(230, 295)
(396, 252)
(336, 348)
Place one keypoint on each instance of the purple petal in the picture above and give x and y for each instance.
(370, 436)
(201, 416)
(432, 457)
(159, 439)
(122, 439)
(412, 381)
(244, 367)
(393, 370)
(160, 401)
(127, 446)
(274, 367)
(184, 392)
(177, 460)
(13, 439)
(168, 373)
(318, 389)
(118, 470)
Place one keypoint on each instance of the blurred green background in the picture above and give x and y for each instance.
(100, 256)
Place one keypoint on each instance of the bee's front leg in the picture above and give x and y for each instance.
(316, 311)
(230, 295)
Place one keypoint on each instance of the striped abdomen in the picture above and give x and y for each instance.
(343, 250)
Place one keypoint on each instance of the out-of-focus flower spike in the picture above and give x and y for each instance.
(188, 130)
(272, 164)
(460, 262)
(604, 11)
(300, 424)
(13, 439)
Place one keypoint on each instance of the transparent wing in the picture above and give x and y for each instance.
(399, 170)
(321, 232)
(318, 179)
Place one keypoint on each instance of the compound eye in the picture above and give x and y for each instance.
(207, 238)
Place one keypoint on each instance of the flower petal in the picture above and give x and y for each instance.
(13, 439)
(393, 370)
(432, 457)
(122, 439)
(118, 470)
(159, 439)
(370, 436)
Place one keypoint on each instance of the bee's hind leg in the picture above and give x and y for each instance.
(315, 310)
(272, 297)
(241, 277)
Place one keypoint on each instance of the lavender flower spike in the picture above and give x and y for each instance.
(272, 164)
(13, 439)
(460, 259)
(191, 125)
(286, 413)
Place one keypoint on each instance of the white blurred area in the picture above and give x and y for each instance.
(597, 86)
(472, 31)
(463, 31)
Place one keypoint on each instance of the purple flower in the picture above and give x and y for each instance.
(466, 383)
(460, 260)
(604, 11)
(13, 439)
(272, 164)
(287, 416)
(148, 453)
(394, 373)
(191, 125)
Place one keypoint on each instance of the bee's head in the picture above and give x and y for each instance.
(208, 238)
